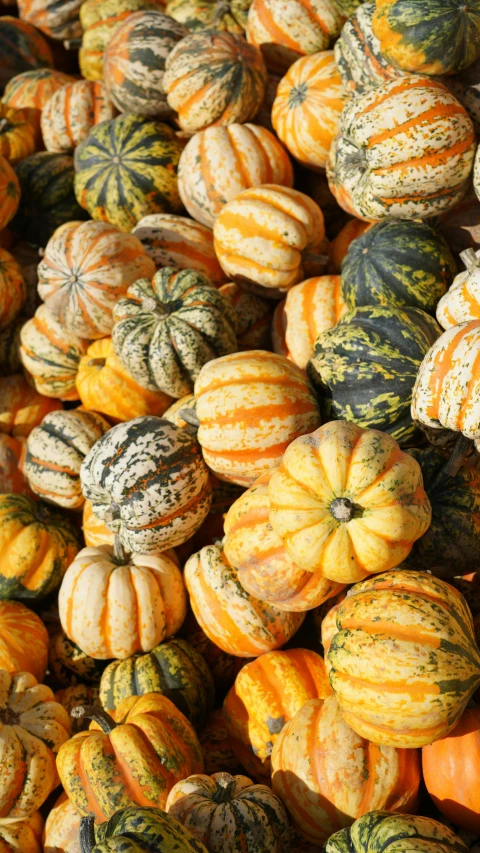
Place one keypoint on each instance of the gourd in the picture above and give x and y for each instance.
(22, 836)
(348, 501)
(71, 111)
(358, 55)
(100, 19)
(21, 407)
(30, 91)
(199, 14)
(462, 302)
(62, 827)
(69, 665)
(216, 745)
(13, 290)
(347, 7)
(23, 640)
(223, 666)
(95, 532)
(337, 251)
(382, 830)
(147, 829)
(253, 317)
(17, 134)
(10, 349)
(22, 48)
(58, 22)
(9, 193)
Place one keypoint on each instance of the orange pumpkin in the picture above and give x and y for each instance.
(9, 192)
(338, 248)
(95, 531)
(31, 90)
(21, 407)
(17, 134)
(13, 290)
(23, 640)
(223, 666)
(11, 477)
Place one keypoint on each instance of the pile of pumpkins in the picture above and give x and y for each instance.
(239, 426)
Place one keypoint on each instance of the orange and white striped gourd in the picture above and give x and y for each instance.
(30, 91)
(71, 112)
(24, 835)
(253, 317)
(21, 407)
(23, 640)
(17, 134)
(62, 827)
(9, 192)
(59, 21)
(462, 301)
(51, 355)
(95, 531)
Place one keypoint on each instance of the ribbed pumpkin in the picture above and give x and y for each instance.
(462, 302)
(147, 829)
(174, 669)
(375, 171)
(59, 21)
(398, 262)
(176, 241)
(31, 90)
(32, 728)
(62, 827)
(100, 19)
(348, 501)
(359, 60)
(11, 477)
(340, 245)
(253, 317)
(22, 47)
(267, 693)
(112, 605)
(23, 640)
(250, 406)
(95, 532)
(231, 618)
(347, 7)
(126, 169)
(381, 831)
(54, 454)
(167, 329)
(262, 236)
(404, 661)
(21, 407)
(306, 110)
(134, 62)
(216, 745)
(69, 665)
(84, 271)
(223, 666)
(220, 162)
(22, 836)
(135, 762)
(327, 775)
(17, 134)
(79, 694)
(201, 14)
(71, 112)
(37, 546)
(13, 290)
(364, 369)
(164, 500)
(222, 810)
(287, 31)
(214, 77)
(9, 193)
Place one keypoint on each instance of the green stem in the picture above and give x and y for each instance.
(457, 456)
(190, 417)
(118, 552)
(87, 834)
(225, 788)
(98, 715)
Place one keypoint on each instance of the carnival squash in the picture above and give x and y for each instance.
(22, 48)
(134, 828)
(340, 244)
(177, 241)
(69, 665)
(71, 111)
(202, 14)
(95, 532)
(358, 56)
(21, 407)
(380, 830)
(17, 134)
(10, 348)
(252, 315)
(62, 827)
(223, 666)
(23, 835)
(71, 697)
(216, 745)
(13, 290)
(462, 302)
(23, 640)
(100, 19)
(9, 193)
(12, 480)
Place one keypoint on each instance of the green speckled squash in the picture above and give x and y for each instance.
(100, 19)
(69, 665)
(201, 14)
(357, 53)
(384, 832)
(364, 369)
(79, 694)
(126, 169)
(174, 669)
(397, 262)
(22, 47)
(138, 830)
(347, 7)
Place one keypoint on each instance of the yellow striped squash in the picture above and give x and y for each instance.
(71, 111)
(24, 835)
(381, 831)
(62, 827)
(462, 301)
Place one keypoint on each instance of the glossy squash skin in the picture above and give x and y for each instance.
(30, 91)
(253, 317)
(328, 776)
(146, 829)
(22, 48)
(217, 746)
(461, 303)
(59, 21)
(220, 162)
(223, 665)
(23, 640)
(380, 830)
(69, 665)
(417, 630)
(62, 827)
(100, 19)
(214, 78)
(9, 192)
(21, 407)
(13, 290)
(17, 134)
(70, 113)
(22, 836)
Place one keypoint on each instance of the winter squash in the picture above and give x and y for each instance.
(347, 7)
(55, 451)
(69, 665)
(167, 329)
(17, 134)
(364, 369)
(58, 22)
(70, 113)
(250, 406)
(85, 269)
(134, 62)
(348, 501)
(164, 501)
(10, 348)
(222, 810)
(21, 407)
(62, 827)
(375, 171)
(462, 302)
(202, 14)
(13, 290)
(174, 669)
(382, 830)
(327, 788)
(22, 836)
(127, 168)
(410, 632)
(358, 56)
(340, 245)
(223, 666)
(441, 39)
(306, 110)
(253, 316)
(148, 829)
(216, 745)
(23, 640)
(231, 618)
(220, 162)
(22, 48)
(79, 694)
(95, 532)
(11, 477)
(139, 759)
(444, 764)
(37, 546)
(214, 77)
(176, 241)
(290, 30)
(99, 20)
(267, 693)
(265, 233)
(398, 262)
(9, 193)
(112, 606)
(31, 90)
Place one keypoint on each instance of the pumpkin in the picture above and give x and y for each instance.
(69, 665)
(17, 134)
(33, 727)
(167, 329)
(462, 302)
(380, 830)
(11, 477)
(267, 693)
(293, 29)
(21, 407)
(214, 77)
(10, 348)
(222, 810)
(306, 110)
(223, 666)
(54, 20)
(99, 20)
(164, 500)
(86, 267)
(216, 745)
(62, 828)
(176, 241)
(220, 162)
(202, 14)
(376, 171)
(71, 112)
(412, 634)
(147, 829)
(9, 193)
(23, 640)
(95, 532)
(26, 257)
(358, 56)
(231, 618)
(441, 38)
(112, 606)
(253, 317)
(328, 775)
(265, 234)
(79, 694)
(31, 90)
(398, 262)
(138, 759)
(446, 765)
(22, 48)
(126, 169)
(348, 501)
(22, 836)
(364, 369)
(347, 7)
(257, 552)
(13, 290)
(134, 62)
(250, 406)
(55, 451)
(340, 245)
(174, 669)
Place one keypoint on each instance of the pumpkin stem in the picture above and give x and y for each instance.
(72, 44)
(222, 8)
(457, 456)
(96, 362)
(118, 551)
(4, 122)
(225, 788)
(98, 715)
(190, 417)
(314, 258)
(87, 834)
(342, 509)
(470, 259)
(153, 306)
